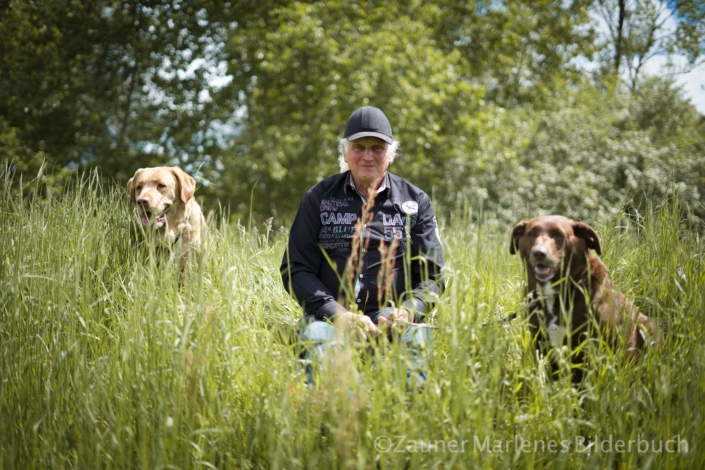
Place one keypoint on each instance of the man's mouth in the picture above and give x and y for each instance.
(545, 273)
(158, 221)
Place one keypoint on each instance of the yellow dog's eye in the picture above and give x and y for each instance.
(139, 188)
(161, 186)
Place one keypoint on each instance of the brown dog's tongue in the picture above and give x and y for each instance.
(145, 221)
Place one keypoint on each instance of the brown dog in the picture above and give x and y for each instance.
(561, 270)
(163, 202)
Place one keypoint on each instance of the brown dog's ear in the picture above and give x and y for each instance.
(187, 184)
(130, 188)
(587, 233)
(517, 233)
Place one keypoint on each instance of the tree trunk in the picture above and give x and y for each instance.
(620, 36)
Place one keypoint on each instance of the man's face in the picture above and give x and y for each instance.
(368, 159)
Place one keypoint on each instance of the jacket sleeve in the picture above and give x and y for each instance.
(426, 261)
(302, 259)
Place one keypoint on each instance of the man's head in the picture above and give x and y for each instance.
(368, 146)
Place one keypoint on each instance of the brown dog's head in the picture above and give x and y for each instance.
(549, 242)
(154, 191)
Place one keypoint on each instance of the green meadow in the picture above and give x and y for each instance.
(110, 358)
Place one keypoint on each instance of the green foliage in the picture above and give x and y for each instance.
(592, 153)
(520, 50)
(301, 71)
(486, 98)
(103, 84)
(107, 360)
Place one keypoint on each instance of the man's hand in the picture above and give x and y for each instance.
(401, 314)
(361, 324)
(398, 316)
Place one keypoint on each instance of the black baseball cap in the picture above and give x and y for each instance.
(368, 121)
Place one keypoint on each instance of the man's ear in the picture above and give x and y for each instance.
(130, 188)
(186, 183)
(345, 147)
(587, 233)
(517, 233)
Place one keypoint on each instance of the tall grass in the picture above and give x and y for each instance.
(108, 359)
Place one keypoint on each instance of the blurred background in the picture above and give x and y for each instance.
(577, 107)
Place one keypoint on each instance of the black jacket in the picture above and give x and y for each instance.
(326, 223)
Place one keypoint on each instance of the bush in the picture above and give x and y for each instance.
(593, 153)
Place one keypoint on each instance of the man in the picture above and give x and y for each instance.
(394, 255)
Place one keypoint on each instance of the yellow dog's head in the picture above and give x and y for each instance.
(159, 195)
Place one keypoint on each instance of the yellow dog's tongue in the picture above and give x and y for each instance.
(145, 221)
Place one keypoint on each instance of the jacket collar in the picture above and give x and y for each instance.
(350, 183)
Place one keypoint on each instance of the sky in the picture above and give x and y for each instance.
(693, 83)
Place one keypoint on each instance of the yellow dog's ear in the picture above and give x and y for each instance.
(186, 183)
(130, 187)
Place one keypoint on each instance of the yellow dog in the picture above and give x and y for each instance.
(163, 202)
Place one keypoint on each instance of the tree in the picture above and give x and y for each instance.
(303, 68)
(520, 50)
(639, 30)
(110, 84)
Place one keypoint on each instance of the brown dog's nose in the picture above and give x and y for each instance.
(539, 252)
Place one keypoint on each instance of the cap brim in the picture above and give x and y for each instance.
(360, 135)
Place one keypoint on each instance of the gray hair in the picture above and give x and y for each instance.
(393, 148)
